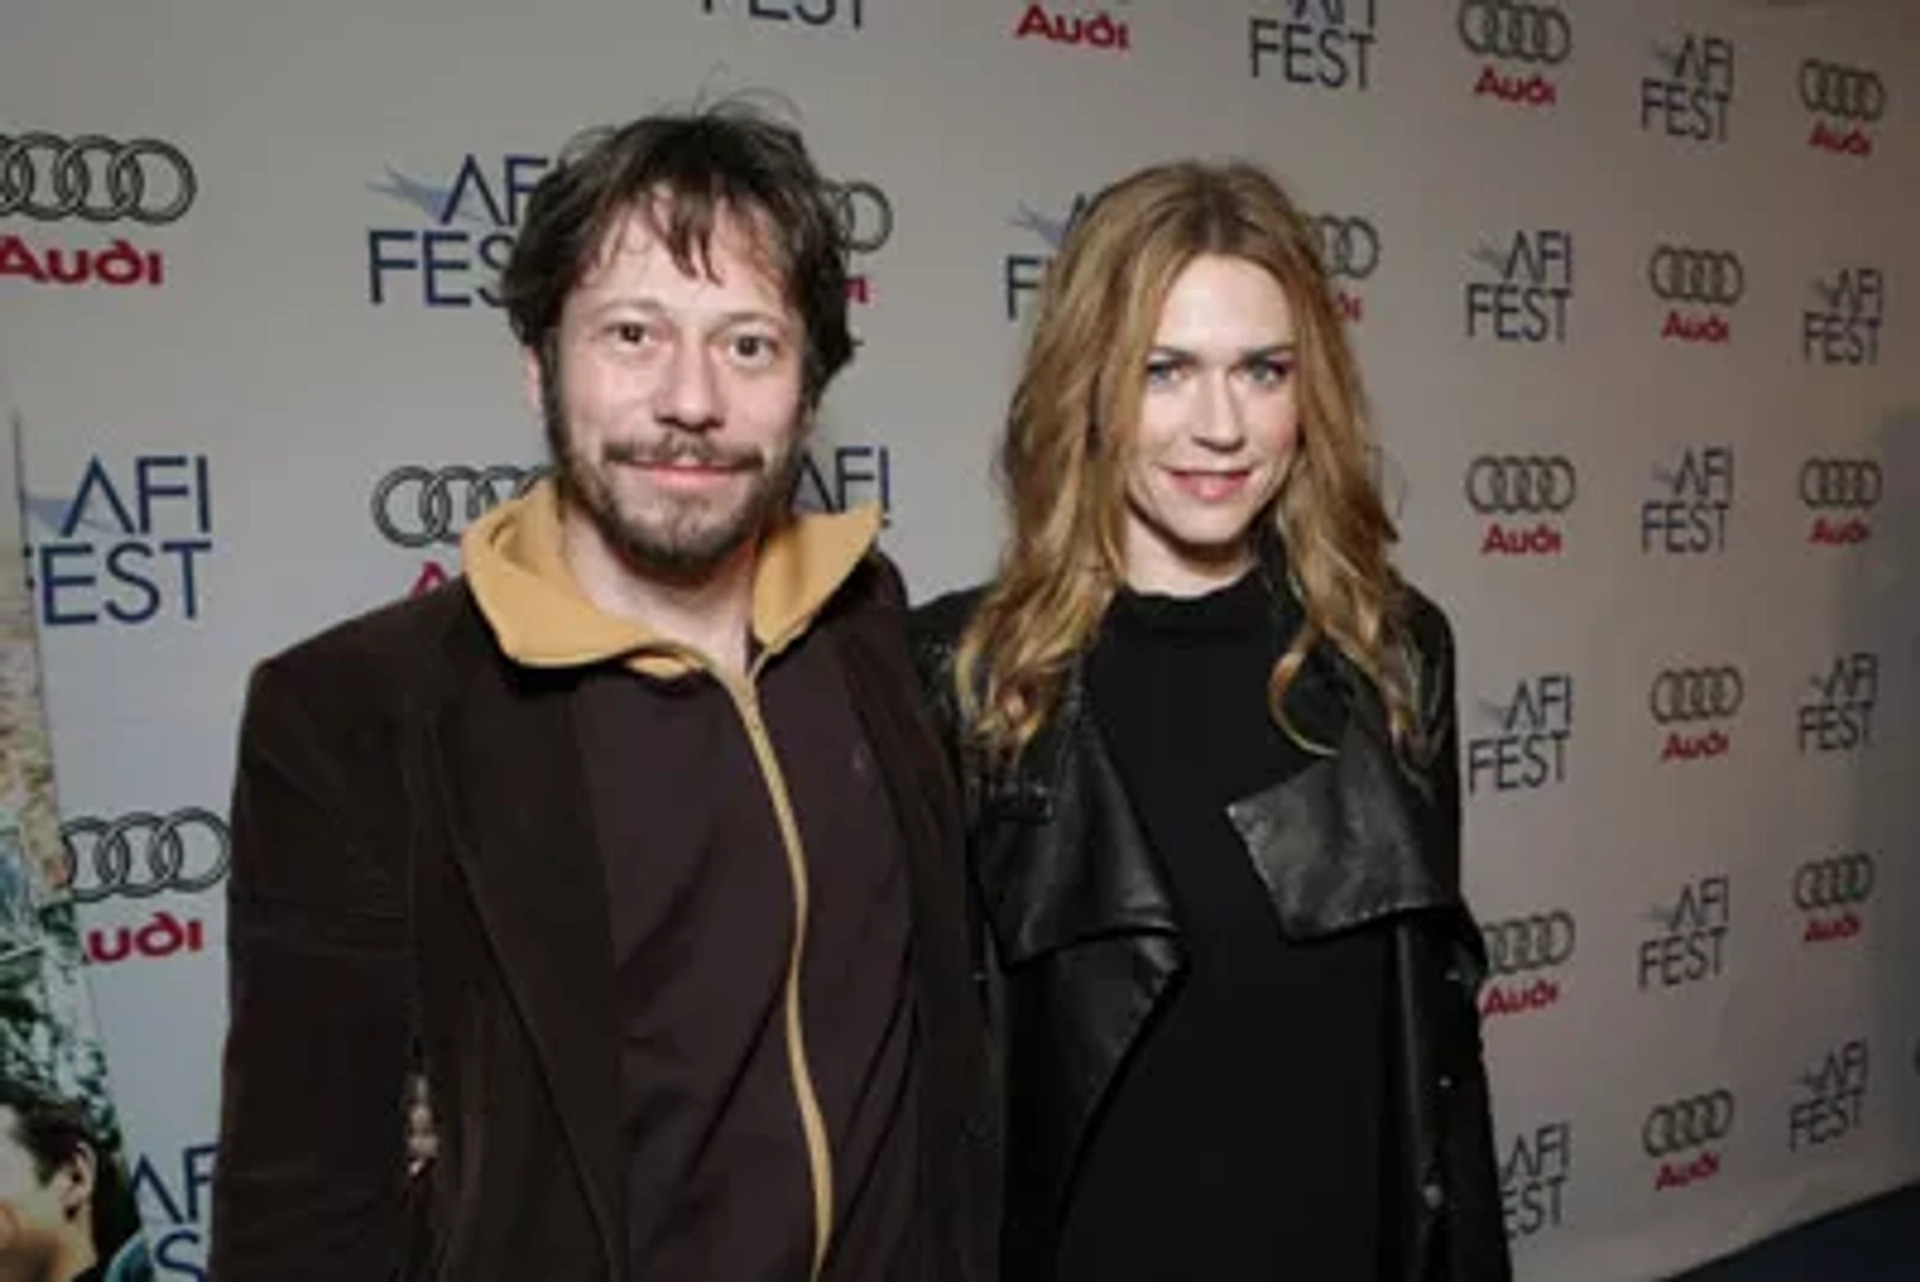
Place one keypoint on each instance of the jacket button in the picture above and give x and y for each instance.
(1446, 1081)
(1433, 1195)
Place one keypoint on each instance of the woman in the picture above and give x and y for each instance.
(1209, 745)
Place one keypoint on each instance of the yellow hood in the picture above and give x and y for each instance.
(540, 617)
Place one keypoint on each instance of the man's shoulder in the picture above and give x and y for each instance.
(389, 647)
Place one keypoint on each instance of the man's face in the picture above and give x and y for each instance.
(46, 1234)
(673, 400)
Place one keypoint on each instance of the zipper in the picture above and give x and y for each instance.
(813, 1124)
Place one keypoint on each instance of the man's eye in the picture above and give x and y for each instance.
(754, 349)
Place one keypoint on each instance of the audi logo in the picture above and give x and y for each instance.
(1710, 277)
(865, 215)
(1850, 93)
(1840, 483)
(99, 179)
(1687, 1123)
(416, 507)
(1511, 484)
(1515, 31)
(1833, 883)
(1522, 944)
(1696, 694)
(141, 854)
(1349, 247)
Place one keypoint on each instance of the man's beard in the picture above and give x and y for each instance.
(680, 538)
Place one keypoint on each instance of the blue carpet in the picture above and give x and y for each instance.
(1877, 1241)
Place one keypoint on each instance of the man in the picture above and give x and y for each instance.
(635, 842)
(66, 1214)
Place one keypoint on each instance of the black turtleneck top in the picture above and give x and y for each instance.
(1242, 1139)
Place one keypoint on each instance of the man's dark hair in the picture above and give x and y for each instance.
(53, 1131)
(729, 157)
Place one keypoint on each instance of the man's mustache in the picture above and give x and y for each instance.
(683, 449)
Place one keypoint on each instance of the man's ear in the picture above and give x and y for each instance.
(73, 1181)
(533, 380)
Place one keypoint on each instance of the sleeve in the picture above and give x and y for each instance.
(311, 1173)
(1476, 1247)
(1441, 735)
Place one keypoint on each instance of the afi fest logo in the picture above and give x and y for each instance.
(1349, 248)
(1699, 289)
(1523, 296)
(1324, 45)
(1526, 959)
(1527, 747)
(452, 258)
(1694, 708)
(1097, 29)
(1837, 715)
(1021, 274)
(76, 191)
(1832, 892)
(1688, 514)
(1534, 1171)
(128, 548)
(801, 15)
(1840, 494)
(1687, 1138)
(1689, 943)
(1843, 327)
(1690, 94)
(1521, 47)
(457, 257)
(1524, 499)
(1844, 101)
(142, 854)
(1833, 1098)
(841, 477)
(173, 1192)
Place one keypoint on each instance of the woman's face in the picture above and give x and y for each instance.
(1219, 422)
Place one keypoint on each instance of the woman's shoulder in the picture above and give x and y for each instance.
(936, 624)
(1428, 624)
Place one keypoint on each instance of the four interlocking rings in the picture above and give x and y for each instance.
(141, 854)
(1696, 694)
(1516, 31)
(1688, 1123)
(416, 507)
(1848, 93)
(99, 179)
(1709, 277)
(1349, 247)
(1512, 485)
(1852, 483)
(1836, 882)
(1522, 944)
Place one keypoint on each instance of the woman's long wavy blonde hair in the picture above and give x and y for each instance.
(1073, 414)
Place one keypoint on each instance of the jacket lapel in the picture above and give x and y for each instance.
(523, 838)
(1345, 841)
(1059, 853)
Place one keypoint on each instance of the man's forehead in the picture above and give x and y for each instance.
(735, 239)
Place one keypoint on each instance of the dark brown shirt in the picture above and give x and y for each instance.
(702, 902)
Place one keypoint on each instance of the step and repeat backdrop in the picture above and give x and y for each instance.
(1637, 292)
